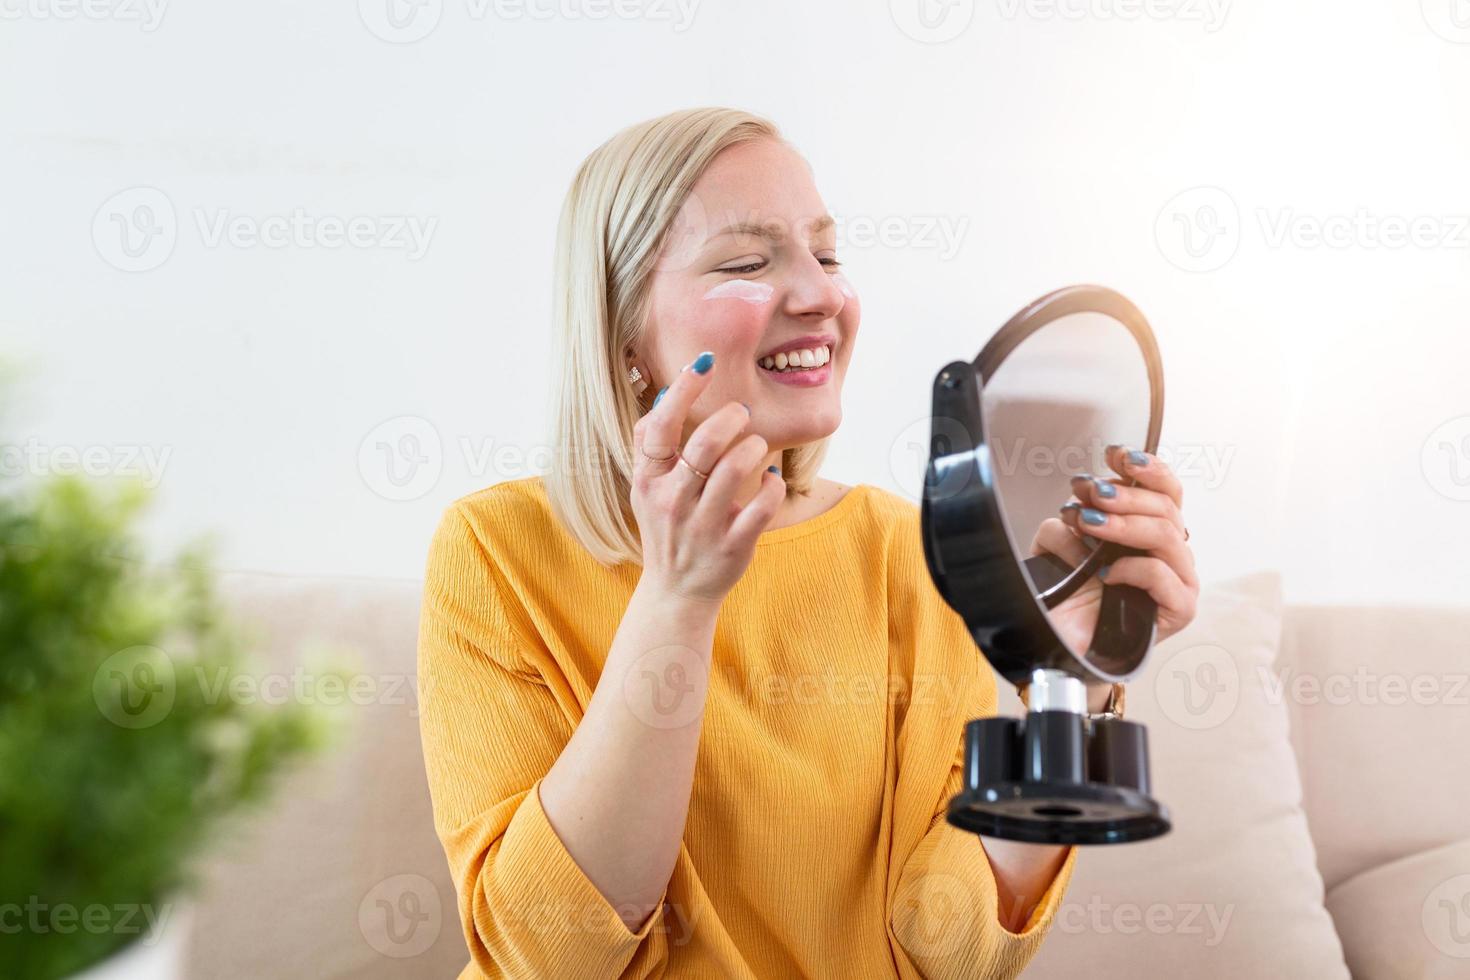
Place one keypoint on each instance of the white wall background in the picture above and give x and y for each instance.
(1057, 142)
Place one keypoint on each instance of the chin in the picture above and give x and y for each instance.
(811, 427)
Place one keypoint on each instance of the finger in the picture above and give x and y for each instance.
(1160, 537)
(660, 432)
(1158, 579)
(758, 512)
(1115, 499)
(1151, 472)
(1056, 537)
(717, 505)
(705, 447)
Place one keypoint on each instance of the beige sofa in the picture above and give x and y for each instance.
(1354, 775)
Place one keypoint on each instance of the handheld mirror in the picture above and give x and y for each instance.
(1068, 376)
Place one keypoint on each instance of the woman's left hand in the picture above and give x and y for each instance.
(1147, 517)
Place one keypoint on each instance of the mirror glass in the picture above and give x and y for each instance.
(1054, 404)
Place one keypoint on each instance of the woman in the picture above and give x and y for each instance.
(690, 710)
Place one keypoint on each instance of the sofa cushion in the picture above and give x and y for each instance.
(1233, 890)
(308, 888)
(1408, 918)
(341, 876)
(1380, 699)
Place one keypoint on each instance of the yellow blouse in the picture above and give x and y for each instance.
(816, 844)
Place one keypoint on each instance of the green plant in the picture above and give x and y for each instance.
(116, 767)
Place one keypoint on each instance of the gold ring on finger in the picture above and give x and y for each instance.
(702, 476)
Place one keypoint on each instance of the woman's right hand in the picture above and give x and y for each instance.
(697, 541)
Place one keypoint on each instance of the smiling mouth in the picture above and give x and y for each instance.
(808, 359)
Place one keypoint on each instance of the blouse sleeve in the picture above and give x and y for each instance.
(491, 729)
(944, 909)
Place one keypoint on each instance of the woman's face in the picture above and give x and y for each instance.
(750, 269)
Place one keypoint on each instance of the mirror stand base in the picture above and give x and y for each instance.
(1055, 778)
(1041, 813)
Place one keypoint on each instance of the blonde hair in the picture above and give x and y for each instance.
(614, 220)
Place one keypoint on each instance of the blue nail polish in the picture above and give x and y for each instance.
(1104, 488)
(1074, 505)
(704, 362)
(774, 469)
(1102, 573)
(1137, 458)
(1093, 517)
(659, 395)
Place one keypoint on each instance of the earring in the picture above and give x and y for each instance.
(638, 381)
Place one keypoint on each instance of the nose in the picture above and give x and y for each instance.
(812, 293)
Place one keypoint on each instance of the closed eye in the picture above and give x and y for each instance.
(743, 269)
(830, 263)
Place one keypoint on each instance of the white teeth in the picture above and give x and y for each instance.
(797, 359)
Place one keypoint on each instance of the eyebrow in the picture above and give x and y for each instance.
(771, 231)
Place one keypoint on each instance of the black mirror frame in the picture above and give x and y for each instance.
(967, 543)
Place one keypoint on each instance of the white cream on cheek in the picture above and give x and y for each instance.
(742, 289)
(843, 286)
